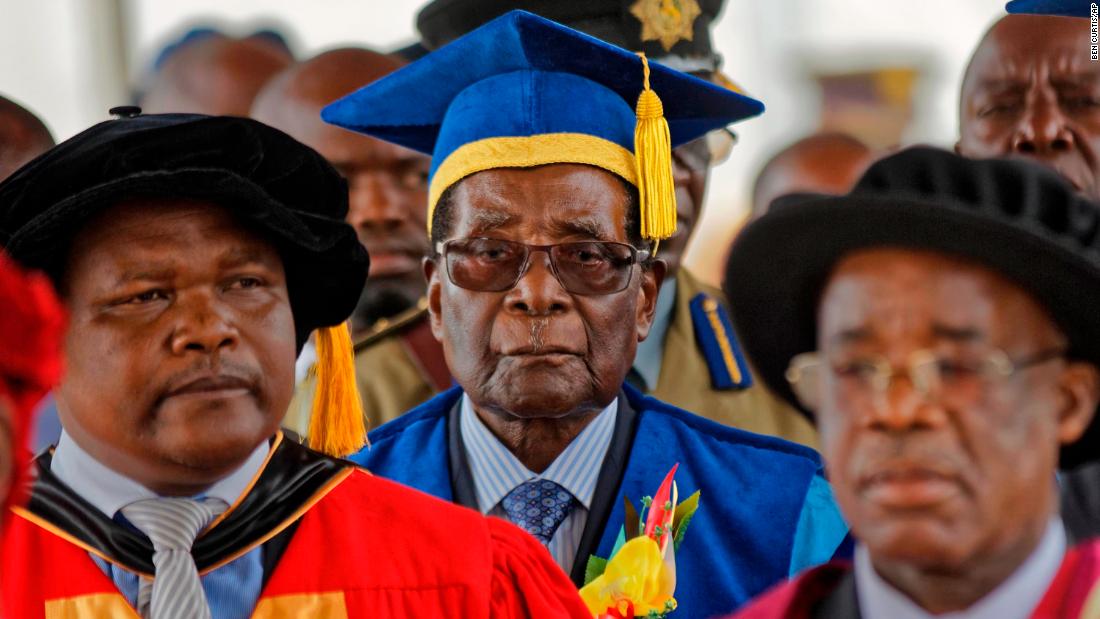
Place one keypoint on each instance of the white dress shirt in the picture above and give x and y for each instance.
(1015, 598)
(232, 589)
(496, 472)
(110, 491)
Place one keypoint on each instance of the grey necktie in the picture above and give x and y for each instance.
(172, 524)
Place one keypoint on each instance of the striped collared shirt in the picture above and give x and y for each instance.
(496, 472)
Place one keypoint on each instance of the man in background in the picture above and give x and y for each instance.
(208, 72)
(22, 137)
(1032, 90)
(398, 362)
(31, 332)
(829, 163)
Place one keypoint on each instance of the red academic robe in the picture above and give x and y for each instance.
(805, 596)
(364, 547)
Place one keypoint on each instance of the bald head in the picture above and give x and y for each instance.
(22, 137)
(387, 184)
(215, 75)
(292, 101)
(1032, 90)
(828, 163)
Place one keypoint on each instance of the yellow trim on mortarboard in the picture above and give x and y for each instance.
(528, 152)
(649, 167)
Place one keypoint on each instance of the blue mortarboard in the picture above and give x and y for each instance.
(523, 91)
(1065, 8)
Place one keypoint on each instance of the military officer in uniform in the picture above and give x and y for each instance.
(397, 361)
(692, 358)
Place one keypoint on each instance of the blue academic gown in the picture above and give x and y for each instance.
(765, 511)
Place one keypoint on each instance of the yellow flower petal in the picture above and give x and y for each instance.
(637, 573)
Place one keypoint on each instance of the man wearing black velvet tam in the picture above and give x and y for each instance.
(940, 323)
(196, 255)
(680, 362)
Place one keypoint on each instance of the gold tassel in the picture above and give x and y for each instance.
(336, 425)
(653, 158)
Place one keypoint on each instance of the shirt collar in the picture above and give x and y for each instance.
(647, 359)
(1015, 598)
(110, 491)
(496, 471)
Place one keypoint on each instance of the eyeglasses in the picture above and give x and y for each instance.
(705, 152)
(585, 268)
(936, 378)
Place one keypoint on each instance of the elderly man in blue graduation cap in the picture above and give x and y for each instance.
(550, 191)
(684, 361)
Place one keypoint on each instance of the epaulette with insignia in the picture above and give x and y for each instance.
(387, 326)
(715, 336)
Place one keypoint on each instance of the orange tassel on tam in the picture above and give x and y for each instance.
(336, 423)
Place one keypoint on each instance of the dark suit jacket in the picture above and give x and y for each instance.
(829, 591)
(842, 603)
(1080, 489)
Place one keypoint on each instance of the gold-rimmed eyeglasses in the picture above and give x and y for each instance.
(933, 375)
(582, 267)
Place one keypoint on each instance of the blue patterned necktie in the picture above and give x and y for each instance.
(539, 507)
(172, 524)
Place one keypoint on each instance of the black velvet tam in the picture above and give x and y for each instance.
(1015, 217)
(276, 185)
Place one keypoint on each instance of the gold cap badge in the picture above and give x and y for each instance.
(667, 21)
